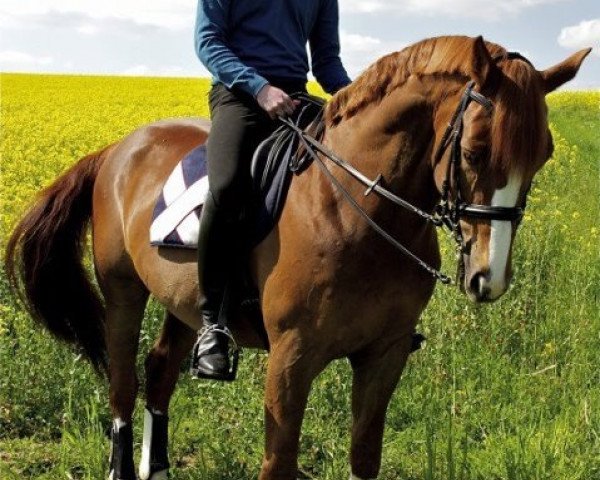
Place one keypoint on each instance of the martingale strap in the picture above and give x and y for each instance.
(310, 144)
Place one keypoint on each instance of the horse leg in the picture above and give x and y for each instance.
(376, 371)
(162, 370)
(290, 373)
(125, 304)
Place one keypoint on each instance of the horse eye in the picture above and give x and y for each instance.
(474, 157)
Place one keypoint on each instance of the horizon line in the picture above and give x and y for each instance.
(185, 77)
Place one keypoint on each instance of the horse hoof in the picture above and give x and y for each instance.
(111, 476)
(162, 475)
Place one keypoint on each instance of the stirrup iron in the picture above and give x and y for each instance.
(234, 352)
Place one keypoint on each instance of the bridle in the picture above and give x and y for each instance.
(457, 208)
(451, 207)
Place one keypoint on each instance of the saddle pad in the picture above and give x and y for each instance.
(175, 220)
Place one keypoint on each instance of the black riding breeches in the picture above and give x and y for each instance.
(239, 124)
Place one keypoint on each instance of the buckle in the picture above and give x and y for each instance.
(373, 184)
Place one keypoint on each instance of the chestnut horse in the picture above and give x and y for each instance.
(329, 287)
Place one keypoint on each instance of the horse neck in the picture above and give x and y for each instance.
(393, 138)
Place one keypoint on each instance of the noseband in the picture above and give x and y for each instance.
(451, 208)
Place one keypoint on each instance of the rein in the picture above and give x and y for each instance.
(451, 207)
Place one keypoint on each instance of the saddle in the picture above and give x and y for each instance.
(277, 158)
(175, 219)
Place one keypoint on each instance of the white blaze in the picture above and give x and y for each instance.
(500, 236)
(118, 424)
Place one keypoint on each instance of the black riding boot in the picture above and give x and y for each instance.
(210, 356)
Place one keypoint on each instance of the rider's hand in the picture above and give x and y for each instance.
(275, 101)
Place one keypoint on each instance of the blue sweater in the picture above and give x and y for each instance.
(243, 43)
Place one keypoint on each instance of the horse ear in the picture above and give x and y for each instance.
(561, 73)
(483, 66)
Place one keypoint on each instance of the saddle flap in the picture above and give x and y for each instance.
(281, 147)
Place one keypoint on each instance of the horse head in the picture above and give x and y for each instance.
(488, 156)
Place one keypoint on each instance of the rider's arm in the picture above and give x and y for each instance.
(325, 49)
(217, 57)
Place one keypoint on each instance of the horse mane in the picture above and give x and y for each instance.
(518, 119)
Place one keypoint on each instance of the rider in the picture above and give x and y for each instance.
(256, 53)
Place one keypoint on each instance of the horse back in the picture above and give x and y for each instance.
(126, 189)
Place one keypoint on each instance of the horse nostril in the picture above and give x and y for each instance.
(477, 285)
(475, 282)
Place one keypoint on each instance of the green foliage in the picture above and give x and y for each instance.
(507, 391)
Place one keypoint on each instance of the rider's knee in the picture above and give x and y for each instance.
(226, 197)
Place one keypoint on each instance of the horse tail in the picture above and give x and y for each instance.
(44, 262)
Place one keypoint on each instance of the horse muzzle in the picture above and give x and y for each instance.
(481, 285)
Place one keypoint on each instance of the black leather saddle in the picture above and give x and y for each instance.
(277, 158)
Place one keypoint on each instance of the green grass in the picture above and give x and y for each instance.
(507, 391)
